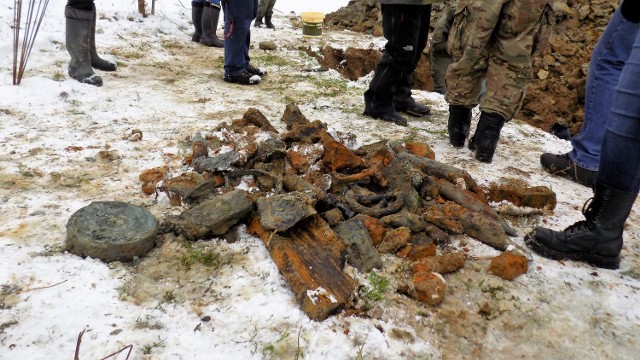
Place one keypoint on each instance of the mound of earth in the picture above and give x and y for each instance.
(556, 94)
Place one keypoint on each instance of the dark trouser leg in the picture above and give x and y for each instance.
(402, 91)
(240, 14)
(400, 24)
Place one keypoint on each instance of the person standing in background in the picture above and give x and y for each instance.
(265, 11)
(205, 16)
(238, 15)
(496, 41)
(608, 57)
(405, 25)
(597, 239)
(81, 42)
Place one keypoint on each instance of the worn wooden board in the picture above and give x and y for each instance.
(311, 259)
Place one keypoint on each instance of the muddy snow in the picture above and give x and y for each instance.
(65, 144)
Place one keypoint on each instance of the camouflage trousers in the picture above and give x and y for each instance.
(496, 40)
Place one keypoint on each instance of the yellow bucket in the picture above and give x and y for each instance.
(312, 23)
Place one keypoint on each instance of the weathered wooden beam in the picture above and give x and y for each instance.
(310, 257)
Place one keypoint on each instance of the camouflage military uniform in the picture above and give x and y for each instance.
(440, 57)
(497, 40)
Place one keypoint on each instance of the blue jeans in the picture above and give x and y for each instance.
(607, 60)
(620, 160)
(238, 16)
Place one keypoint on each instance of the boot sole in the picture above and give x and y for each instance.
(605, 262)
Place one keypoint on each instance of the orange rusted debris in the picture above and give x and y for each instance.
(429, 287)
(298, 162)
(420, 251)
(440, 264)
(151, 177)
(354, 177)
(539, 197)
(420, 149)
(394, 239)
(376, 229)
(509, 265)
(255, 117)
(338, 157)
(310, 257)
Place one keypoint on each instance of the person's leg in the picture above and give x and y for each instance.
(620, 160)
(402, 99)
(598, 239)
(399, 24)
(210, 18)
(477, 19)
(509, 70)
(608, 57)
(607, 60)
(238, 15)
(79, 15)
(269, 13)
(196, 17)
(262, 10)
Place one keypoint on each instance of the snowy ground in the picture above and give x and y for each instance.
(64, 144)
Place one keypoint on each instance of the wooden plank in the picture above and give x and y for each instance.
(310, 257)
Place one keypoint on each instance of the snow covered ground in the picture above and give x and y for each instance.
(64, 144)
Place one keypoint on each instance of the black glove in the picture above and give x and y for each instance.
(630, 9)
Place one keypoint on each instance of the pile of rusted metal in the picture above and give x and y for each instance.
(319, 205)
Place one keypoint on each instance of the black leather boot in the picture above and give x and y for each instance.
(597, 239)
(267, 21)
(78, 38)
(196, 17)
(96, 61)
(258, 22)
(485, 139)
(210, 17)
(459, 123)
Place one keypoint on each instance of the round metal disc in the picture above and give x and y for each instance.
(111, 231)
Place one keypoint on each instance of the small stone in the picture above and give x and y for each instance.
(543, 74)
(267, 45)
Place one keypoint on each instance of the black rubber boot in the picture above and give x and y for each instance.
(485, 139)
(258, 22)
(459, 123)
(210, 17)
(77, 32)
(196, 17)
(596, 240)
(96, 61)
(267, 21)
